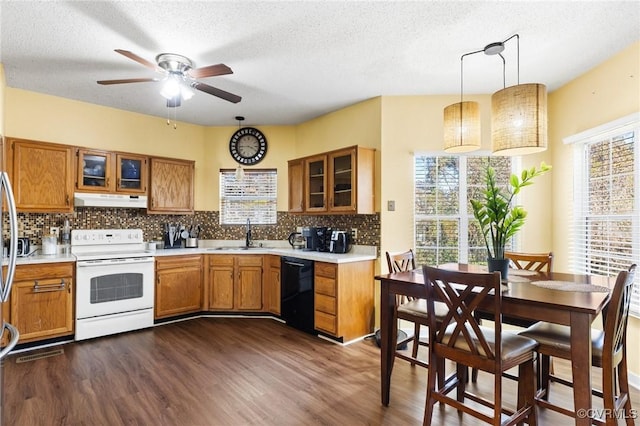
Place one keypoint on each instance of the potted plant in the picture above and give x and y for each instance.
(498, 219)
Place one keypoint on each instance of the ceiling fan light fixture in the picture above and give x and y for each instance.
(171, 87)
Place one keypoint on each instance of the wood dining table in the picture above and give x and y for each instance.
(561, 298)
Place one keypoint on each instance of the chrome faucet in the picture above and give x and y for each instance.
(248, 240)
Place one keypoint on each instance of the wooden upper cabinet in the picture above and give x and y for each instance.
(42, 175)
(171, 186)
(340, 182)
(315, 184)
(95, 172)
(131, 173)
(296, 186)
(105, 171)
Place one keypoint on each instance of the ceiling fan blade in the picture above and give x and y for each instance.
(210, 71)
(217, 92)
(127, 80)
(138, 59)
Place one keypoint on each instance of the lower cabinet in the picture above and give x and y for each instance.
(344, 299)
(178, 285)
(42, 301)
(235, 282)
(272, 296)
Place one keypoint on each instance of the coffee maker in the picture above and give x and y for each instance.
(310, 238)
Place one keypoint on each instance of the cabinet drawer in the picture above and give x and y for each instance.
(325, 304)
(325, 322)
(248, 260)
(274, 261)
(221, 259)
(325, 270)
(325, 286)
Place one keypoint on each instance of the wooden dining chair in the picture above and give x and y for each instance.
(408, 308)
(609, 352)
(538, 262)
(458, 337)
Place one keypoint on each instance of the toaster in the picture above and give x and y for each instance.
(340, 242)
(23, 246)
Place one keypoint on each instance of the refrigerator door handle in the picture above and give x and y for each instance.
(15, 335)
(5, 189)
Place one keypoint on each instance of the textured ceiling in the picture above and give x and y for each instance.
(293, 61)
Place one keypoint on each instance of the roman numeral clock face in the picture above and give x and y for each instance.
(248, 146)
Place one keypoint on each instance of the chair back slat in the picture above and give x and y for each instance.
(617, 311)
(462, 292)
(401, 262)
(539, 262)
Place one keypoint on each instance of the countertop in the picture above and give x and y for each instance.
(357, 253)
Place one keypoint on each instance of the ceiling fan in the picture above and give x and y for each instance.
(179, 77)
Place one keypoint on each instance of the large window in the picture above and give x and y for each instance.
(445, 229)
(253, 197)
(605, 235)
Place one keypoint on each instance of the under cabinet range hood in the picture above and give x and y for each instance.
(83, 199)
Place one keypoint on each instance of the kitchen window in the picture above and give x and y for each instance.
(444, 227)
(605, 234)
(252, 197)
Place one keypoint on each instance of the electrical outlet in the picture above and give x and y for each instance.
(55, 231)
(354, 233)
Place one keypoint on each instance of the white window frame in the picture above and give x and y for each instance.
(578, 246)
(253, 197)
(464, 216)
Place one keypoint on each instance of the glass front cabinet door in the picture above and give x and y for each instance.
(342, 166)
(131, 173)
(94, 169)
(316, 184)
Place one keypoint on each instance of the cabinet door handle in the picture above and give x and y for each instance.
(117, 183)
(37, 288)
(107, 182)
(67, 199)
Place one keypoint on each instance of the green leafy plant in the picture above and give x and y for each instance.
(498, 219)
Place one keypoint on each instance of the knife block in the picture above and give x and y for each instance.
(167, 243)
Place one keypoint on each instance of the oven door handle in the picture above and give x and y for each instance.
(105, 262)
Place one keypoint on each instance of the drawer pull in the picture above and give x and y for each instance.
(37, 288)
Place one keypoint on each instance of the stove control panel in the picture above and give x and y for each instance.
(105, 237)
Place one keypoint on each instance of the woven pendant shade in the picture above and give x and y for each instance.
(462, 127)
(519, 120)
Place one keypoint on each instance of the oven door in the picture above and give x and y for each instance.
(114, 285)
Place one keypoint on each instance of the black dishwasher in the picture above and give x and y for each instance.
(296, 283)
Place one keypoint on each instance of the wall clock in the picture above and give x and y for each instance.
(248, 146)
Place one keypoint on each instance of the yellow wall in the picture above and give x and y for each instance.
(48, 118)
(603, 94)
(281, 145)
(358, 124)
(414, 125)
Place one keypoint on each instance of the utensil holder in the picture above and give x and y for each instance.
(191, 243)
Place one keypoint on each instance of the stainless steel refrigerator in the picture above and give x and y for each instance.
(6, 276)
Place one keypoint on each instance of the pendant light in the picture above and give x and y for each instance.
(462, 121)
(518, 113)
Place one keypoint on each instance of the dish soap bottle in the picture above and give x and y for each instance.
(66, 237)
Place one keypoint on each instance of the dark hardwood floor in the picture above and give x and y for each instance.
(225, 371)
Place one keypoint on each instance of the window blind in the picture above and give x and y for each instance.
(253, 197)
(605, 237)
(444, 227)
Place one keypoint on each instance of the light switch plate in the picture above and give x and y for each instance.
(391, 205)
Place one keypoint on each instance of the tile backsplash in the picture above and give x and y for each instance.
(35, 225)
